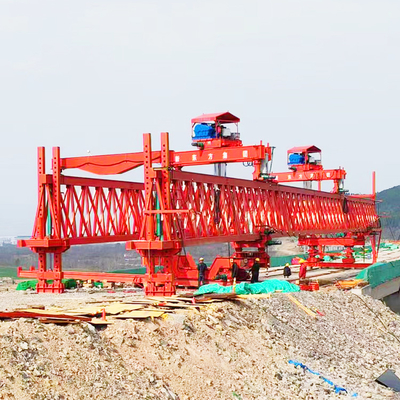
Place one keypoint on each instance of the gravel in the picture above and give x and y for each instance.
(229, 350)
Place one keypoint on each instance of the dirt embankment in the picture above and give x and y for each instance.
(226, 351)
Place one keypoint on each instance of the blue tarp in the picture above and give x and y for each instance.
(337, 389)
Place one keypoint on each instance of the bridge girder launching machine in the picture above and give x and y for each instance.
(173, 209)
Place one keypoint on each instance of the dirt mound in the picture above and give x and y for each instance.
(235, 350)
(45, 361)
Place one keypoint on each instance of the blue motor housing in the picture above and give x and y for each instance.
(204, 131)
(295, 159)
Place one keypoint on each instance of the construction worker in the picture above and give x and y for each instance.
(235, 269)
(255, 270)
(202, 268)
(303, 269)
(287, 271)
(245, 269)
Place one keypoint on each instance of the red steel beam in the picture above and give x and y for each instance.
(120, 163)
(339, 241)
(315, 175)
(339, 265)
(83, 275)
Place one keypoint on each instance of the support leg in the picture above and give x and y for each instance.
(56, 275)
(42, 266)
(349, 259)
(57, 286)
(159, 283)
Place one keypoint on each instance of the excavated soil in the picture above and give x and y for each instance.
(228, 350)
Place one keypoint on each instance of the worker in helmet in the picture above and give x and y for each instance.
(202, 268)
(255, 270)
(303, 269)
(287, 271)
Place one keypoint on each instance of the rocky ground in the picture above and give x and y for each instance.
(230, 350)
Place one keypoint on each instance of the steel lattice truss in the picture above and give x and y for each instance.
(225, 207)
(95, 211)
(91, 210)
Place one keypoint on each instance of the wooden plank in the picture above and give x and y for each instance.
(169, 305)
(49, 311)
(254, 296)
(121, 307)
(53, 320)
(141, 314)
(163, 299)
(85, 311)
(199, 300)
(25, 314)
(144, 302)
(304, 308)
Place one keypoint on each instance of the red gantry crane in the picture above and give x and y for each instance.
(173, 209)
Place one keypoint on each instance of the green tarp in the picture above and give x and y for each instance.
(136, 271)
(25, 285)
(282, 260)
(269, 286)
(380, 273)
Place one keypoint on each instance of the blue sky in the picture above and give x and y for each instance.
(95, 75)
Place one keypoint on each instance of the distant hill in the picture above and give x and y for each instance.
(389, 209)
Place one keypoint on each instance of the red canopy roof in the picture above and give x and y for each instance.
(303, 149)
(225, 117)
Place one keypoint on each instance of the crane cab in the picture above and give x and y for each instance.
(216, 130)
(304, 158)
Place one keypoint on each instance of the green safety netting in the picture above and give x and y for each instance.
(25, 285)
(269, 286)
(282, 260)
(389, 246)
(380, 273)
(136, 271)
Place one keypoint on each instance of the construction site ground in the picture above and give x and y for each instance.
(233, 349)
(225, 349)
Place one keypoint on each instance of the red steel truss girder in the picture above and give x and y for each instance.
(97, 211)
(120, 163)
(248, 207)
